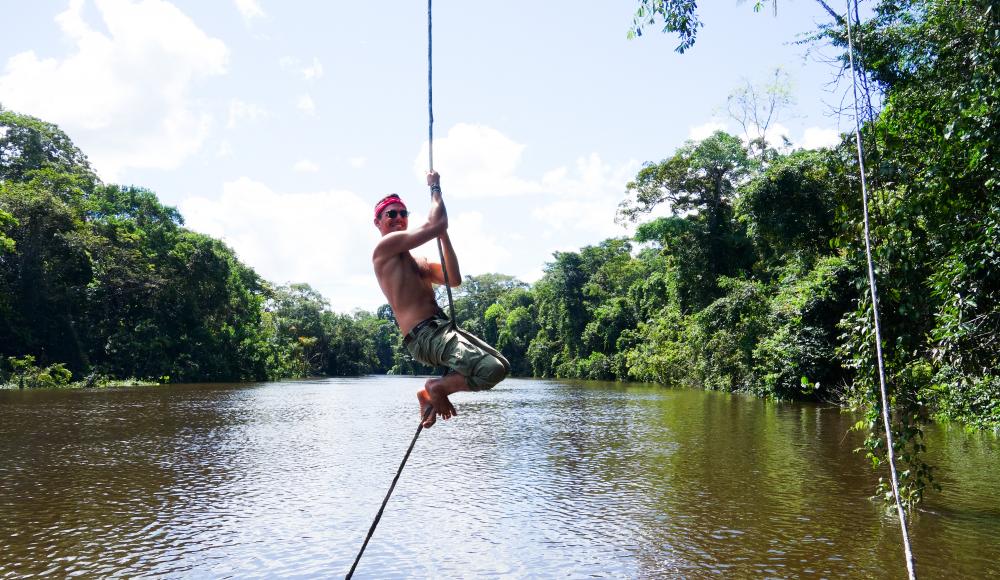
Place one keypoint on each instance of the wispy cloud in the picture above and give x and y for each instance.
(131, 105)
(705, 130)
(250, 10)
(306, 104)
(305, 166)
(817, 137)
(307, 72)
(225, 150)
(481, 162)
(324, 238)
(240, 111)
(565, 208)
(312, 71)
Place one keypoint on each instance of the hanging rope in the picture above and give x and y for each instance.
(451, 304)
(430, 155)
(378, 516)
(430, 93)
(874, 296)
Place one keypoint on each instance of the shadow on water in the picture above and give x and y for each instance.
(535, 478)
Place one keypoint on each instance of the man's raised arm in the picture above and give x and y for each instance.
(448, 252)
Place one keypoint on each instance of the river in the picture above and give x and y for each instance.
(533, 479)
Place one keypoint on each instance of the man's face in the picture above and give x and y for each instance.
(392, 219)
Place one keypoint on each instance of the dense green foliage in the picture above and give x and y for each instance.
(101, 281)
(934, 69)
(757, 282)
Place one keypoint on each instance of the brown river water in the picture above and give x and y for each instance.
(536, 479)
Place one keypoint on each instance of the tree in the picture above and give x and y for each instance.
(7, 223)
(699, 182)
(28, 145)
(514, 315)
(298, 312)
(681, 17)
(351, 351)
(678, 16)
(44, 279)
(701, 178)
(476, 295)
(755, 107)
(790, 210)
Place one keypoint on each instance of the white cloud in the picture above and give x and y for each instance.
(705, 130)
(776, 135)
(240, 111)
(357, 162)
(584, 202)
(225, 150)
(305, 166)
(817, 137)
(322, 238)
(480, 162)
(307, 72)
(306, 104)
(129, 103)
(812, 137)
(569, 207)
(249, 9)
(313, 70)
(476, 245)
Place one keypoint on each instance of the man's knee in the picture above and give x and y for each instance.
(489, 372)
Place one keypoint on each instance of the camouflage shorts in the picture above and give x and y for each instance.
(434, 342)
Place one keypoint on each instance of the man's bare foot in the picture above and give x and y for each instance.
(425, 405)
(438, 395)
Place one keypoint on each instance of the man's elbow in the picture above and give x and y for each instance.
(438, 227)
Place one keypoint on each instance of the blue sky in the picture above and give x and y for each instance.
(277, 125)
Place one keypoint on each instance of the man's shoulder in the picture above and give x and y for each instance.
(383, 254)
(386, 246)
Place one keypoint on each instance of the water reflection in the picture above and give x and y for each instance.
(537, 478)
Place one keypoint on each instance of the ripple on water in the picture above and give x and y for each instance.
(533, 479)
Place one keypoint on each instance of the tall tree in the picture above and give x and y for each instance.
(44, 279)
(699, 182)
(755, 107)
(28, 145)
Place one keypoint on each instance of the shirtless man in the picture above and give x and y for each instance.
(428, 334)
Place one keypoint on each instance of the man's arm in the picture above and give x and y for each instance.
(447, 251)
(450, 260)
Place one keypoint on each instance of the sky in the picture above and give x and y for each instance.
(276, 126)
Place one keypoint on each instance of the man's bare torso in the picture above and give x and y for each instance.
(406, 284)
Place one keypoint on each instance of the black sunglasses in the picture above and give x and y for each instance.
(392, 213)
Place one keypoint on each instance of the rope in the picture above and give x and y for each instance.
(430, 93)
(378, 516)
(430, 155)
(451, 304)
(878, 327)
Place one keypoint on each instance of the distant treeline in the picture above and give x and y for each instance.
(106, 281)
(756, 283)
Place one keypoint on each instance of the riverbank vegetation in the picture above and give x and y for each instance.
(755, 283)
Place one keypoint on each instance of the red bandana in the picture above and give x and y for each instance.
(387, 202)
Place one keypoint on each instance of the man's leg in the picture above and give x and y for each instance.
(435, 395)
(474, 366)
